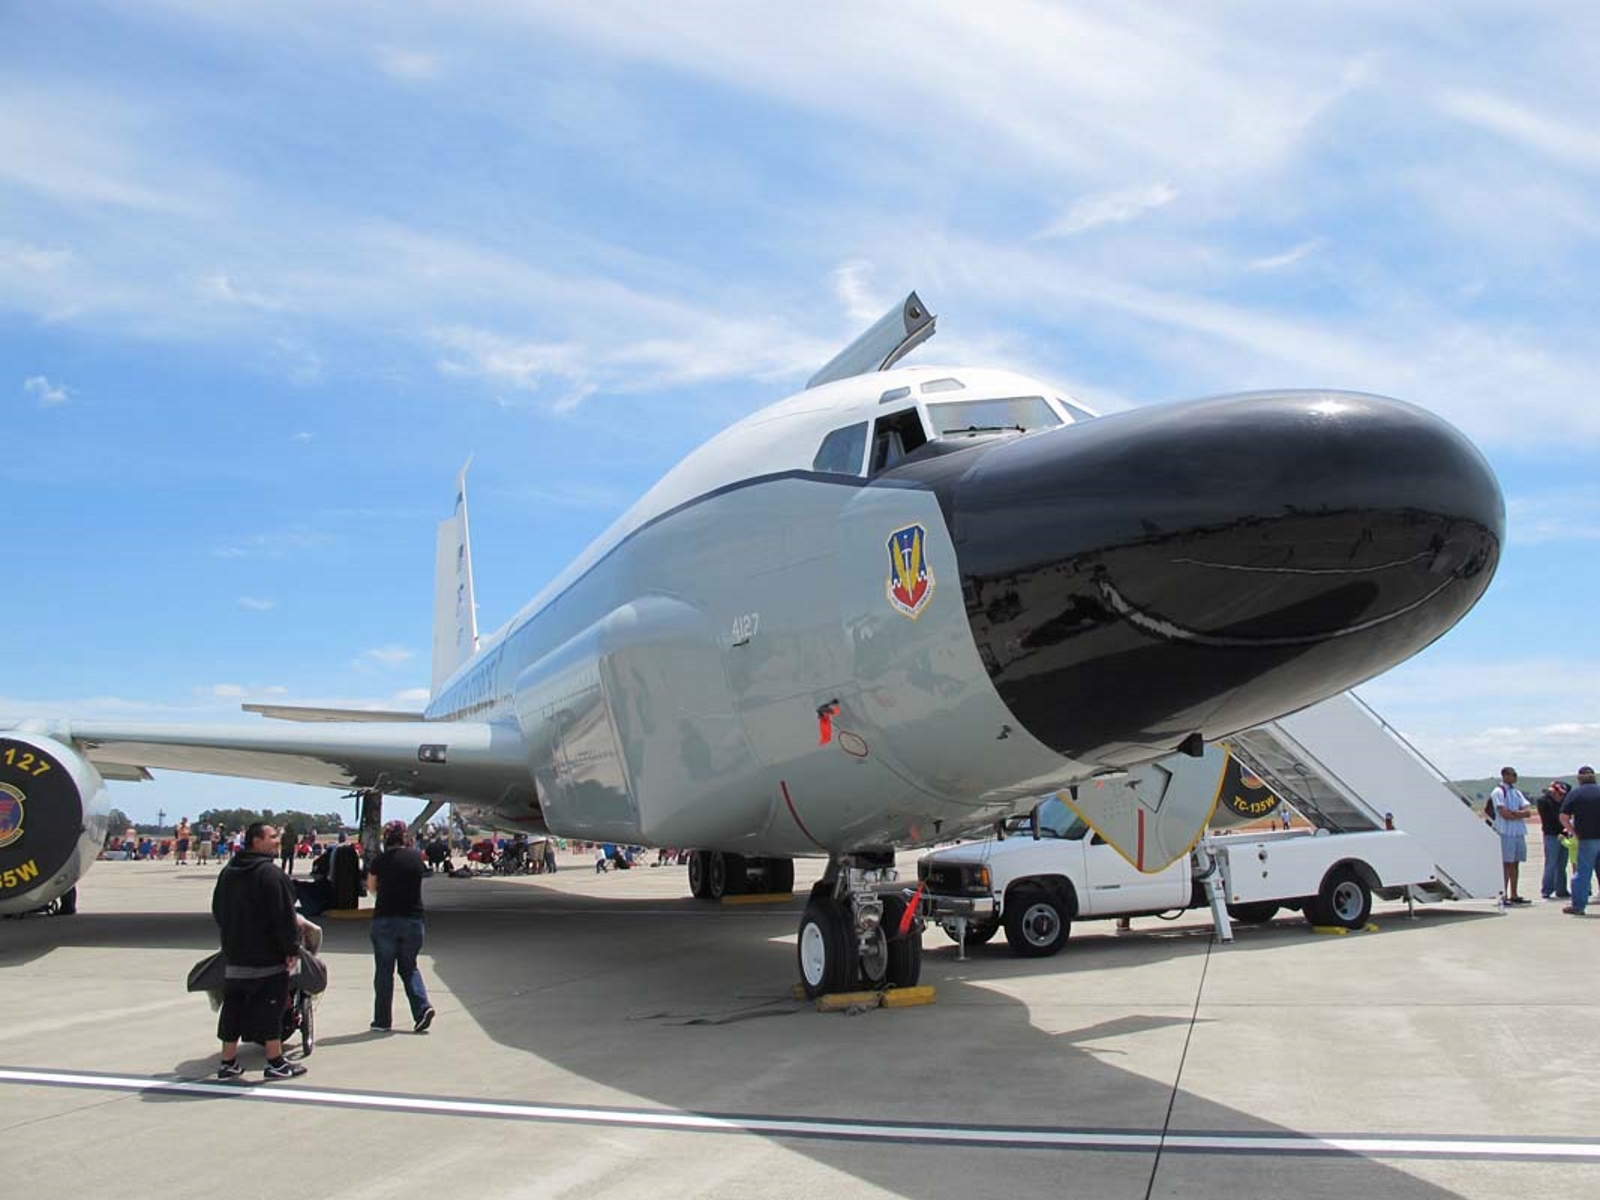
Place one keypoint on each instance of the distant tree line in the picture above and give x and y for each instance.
(233, 820)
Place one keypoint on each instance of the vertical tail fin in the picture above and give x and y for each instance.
(455, 610)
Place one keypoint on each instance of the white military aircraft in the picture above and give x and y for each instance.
(901, 604)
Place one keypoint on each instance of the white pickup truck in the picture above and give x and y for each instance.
(1035, 888)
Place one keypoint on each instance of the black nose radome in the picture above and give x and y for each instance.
(1207, 566)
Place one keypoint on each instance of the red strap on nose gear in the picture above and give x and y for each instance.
(910, 913)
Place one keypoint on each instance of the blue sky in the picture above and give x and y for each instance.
(270, 272)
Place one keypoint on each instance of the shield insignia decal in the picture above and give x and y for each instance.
(910, 584)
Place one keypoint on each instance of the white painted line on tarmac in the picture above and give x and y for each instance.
(1031, 1137)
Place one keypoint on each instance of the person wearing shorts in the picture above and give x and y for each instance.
(1511, 814)
(253, 905)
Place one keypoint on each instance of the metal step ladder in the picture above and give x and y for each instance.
(1301, 782)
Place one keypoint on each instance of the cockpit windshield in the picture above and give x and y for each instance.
(976, 416)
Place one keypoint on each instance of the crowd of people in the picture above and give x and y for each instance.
(1569, 820)
(204, 844)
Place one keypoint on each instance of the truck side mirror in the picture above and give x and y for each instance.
(1033, 822)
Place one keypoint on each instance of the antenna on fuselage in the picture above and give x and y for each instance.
(889, 339)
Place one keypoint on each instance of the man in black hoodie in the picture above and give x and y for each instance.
(254, 907)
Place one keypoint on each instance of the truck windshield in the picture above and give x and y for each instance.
(1056, 820)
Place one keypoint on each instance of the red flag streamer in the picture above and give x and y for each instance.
(825, 722)
(910, 913)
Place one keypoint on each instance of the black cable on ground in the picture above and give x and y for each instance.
(1177, 1079)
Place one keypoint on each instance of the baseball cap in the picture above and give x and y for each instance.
(1585, 770)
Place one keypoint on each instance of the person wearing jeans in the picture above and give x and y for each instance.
(1554, 884)
(395, 878)
(1580, 812)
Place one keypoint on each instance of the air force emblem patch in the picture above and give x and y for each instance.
(11, 812)
(910, 577)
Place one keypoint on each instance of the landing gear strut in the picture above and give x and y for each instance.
(850, 932)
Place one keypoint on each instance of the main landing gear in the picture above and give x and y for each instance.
(713, 875)
(850, 933)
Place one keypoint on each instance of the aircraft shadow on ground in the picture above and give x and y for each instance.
(656, 999)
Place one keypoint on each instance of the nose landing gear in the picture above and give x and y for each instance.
(850, 934)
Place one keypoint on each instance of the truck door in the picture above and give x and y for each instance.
(1116, 886)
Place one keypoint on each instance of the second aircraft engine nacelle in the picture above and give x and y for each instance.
(53, 807)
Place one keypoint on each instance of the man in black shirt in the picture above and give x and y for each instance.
(253, 905)
(1554, 884)
(395, 878)
(1580, 813)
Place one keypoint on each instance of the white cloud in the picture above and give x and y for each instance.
(1111, 208)
(221, 288)
(234, 691)
(850, 286)
(256, 604)
(1289, 257)
(417, 695)
(412, 66)
(1570, 514)
(273, 545)
(388, 656)
(49, 394)
(304, 436)
(1572, 142)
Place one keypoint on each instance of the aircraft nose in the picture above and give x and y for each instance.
(1207, 566)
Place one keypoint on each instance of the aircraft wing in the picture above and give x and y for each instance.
(479, 761)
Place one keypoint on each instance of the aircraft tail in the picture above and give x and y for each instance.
(455, 609)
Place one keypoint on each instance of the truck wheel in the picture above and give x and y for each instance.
(1344, 899)
(1036, 923)
(700, 874)
(1258, 913)
(823, 950)
(977, 933)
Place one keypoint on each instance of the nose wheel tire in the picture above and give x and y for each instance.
(904, 966)
(825, 955)
(1036, 922)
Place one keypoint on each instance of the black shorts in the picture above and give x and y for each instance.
(252, 1009)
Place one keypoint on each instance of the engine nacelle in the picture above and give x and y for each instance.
(53, 807)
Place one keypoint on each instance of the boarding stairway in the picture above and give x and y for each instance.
(1344, 769)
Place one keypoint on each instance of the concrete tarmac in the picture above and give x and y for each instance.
(607, 1036)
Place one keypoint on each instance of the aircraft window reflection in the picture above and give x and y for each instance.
(842, 450)
(1012, 412)
(942, 385)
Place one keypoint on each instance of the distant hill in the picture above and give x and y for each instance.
(1531, 785)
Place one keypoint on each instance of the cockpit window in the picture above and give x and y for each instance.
(1012, 412)
(842, 451)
